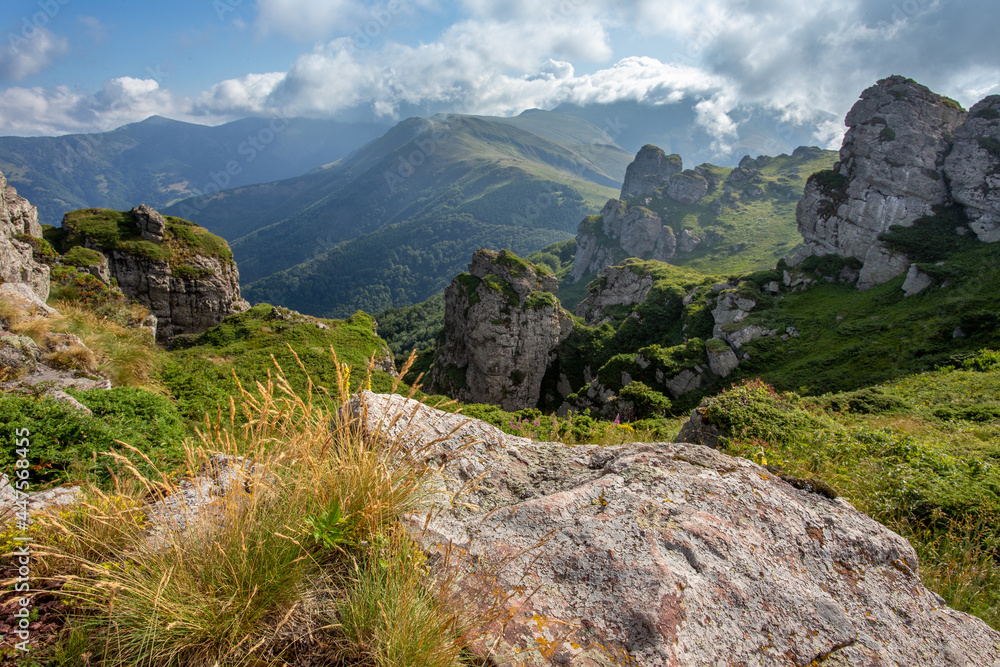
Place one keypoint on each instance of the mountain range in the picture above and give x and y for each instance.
(159, 161)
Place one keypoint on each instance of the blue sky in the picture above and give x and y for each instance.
(92, 65)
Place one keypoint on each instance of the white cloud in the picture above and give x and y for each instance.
(248, 94)
(62, 110)
(97, 30)
(23, 55)
(804, 60)
(308, 20)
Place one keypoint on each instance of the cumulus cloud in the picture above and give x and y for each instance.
(62, 110)
(804, 62)
(248, 94)
(24, 55)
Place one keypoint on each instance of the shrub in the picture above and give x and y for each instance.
(753, 410)
(931, 238)
(80, 256)
(829, 179)
(865, 401)
(648, 402)
(66, 443)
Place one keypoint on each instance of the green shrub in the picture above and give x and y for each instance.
(753, 410)
(931, 238)
(648, 402)
(64, 441)
(865, 401)
(829, 179)
(80, 256)
(71, 284)
(188, 271)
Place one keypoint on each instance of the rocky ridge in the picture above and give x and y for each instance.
(675, 215)
(502, 325)
(665, 554)
(188, 288)
(907, 152)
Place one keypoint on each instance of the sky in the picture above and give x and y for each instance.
(69, 66)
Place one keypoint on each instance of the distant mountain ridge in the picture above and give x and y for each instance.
(391, 223)
(159, 161)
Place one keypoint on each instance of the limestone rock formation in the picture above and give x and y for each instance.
(721, 358)
(651, 170)
(152, 225)
(665, 554)
(687, 241)
(916, 281)
(973, 168)
(188, 289)
(621, 231)
(502, 325)
(17, 265)
(687, 187)
(623, 285)
(907, 151)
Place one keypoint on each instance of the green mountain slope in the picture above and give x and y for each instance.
(747, 223)
(745, 220)
(419, 170)
(159, 161)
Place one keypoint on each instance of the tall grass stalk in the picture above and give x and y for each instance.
(222, 589)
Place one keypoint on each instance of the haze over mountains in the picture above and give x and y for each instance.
(159, 161)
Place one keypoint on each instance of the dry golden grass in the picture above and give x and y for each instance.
(309, 536)
(126, 356)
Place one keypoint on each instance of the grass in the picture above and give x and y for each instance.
(850, 339)
(252, 580)
(125, 355)
(243, 348)
(935, 481)
(116, 230)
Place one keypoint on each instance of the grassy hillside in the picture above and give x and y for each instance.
(919, 454)
(159, 161)
(744, 225)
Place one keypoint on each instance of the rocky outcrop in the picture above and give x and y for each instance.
(687, 241)
(916, 281)
(188, 289)
(721, 358)
(973, 168)
(502, 326)
(623, 285)
(650, 171)
(17, 264)
(49, 363)
(152, 225)
(907, 150)
(621, 231)
(663, 554)
(687, 187)
(181, 304)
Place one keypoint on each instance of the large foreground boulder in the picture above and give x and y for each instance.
(666, 554)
